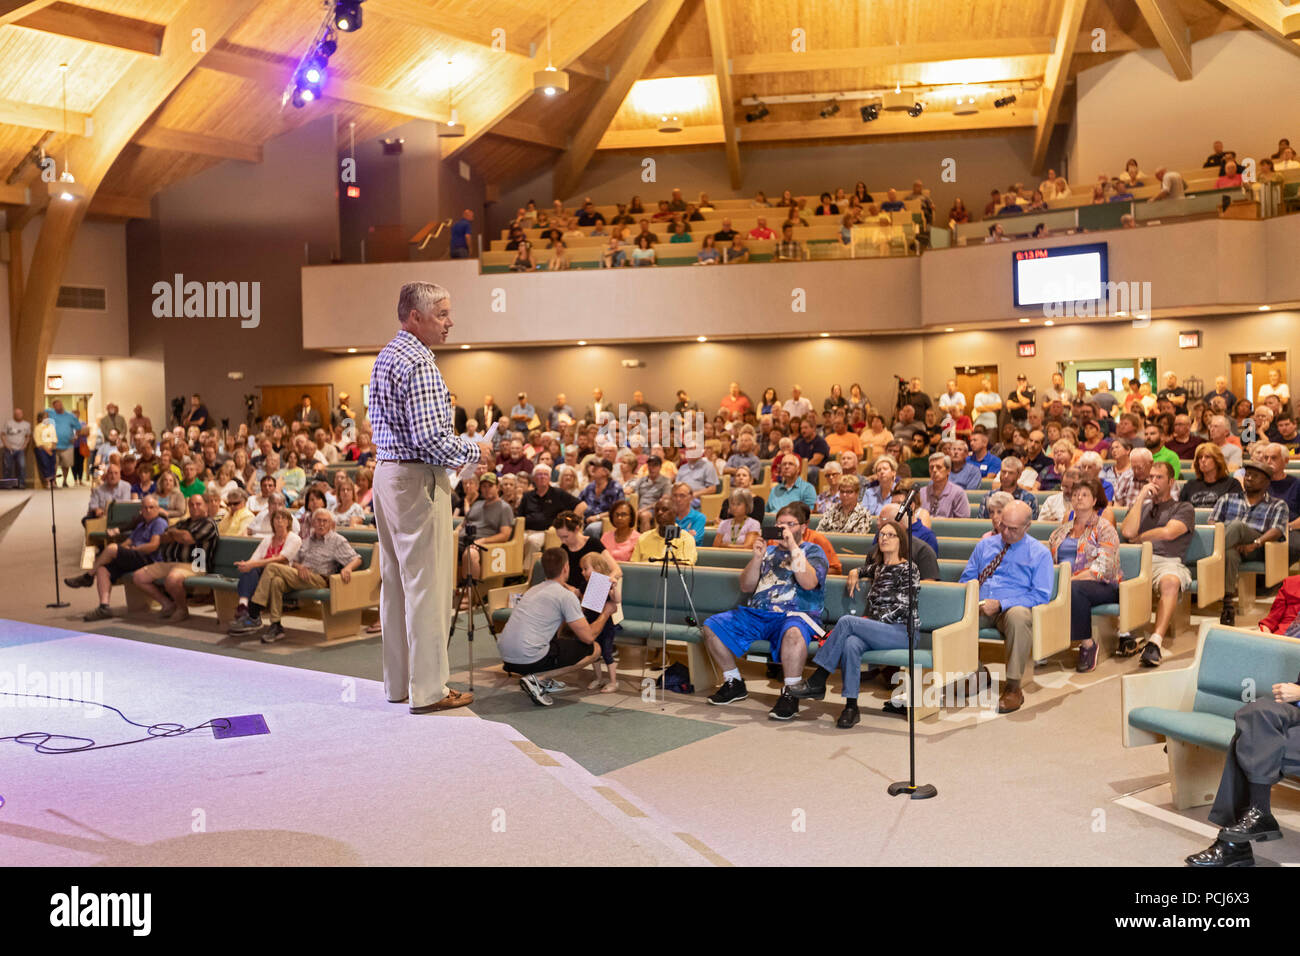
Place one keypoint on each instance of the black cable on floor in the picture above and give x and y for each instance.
(39, 740)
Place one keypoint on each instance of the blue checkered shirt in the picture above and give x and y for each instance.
(410, 410)
(1265, 514)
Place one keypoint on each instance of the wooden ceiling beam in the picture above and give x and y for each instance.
(643, 34)
(522, 132)
(13, 195)
(14, 10)
(721, 70)
(118, 117)
(1264, 14)
(1171, 33)
(180, 141)
(106, 206)
(492, 96)
(1055, 78)
(95, 26)
(31, 116)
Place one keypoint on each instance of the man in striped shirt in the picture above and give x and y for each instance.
(416, 442)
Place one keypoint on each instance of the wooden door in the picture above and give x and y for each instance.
(1261, 363)
(969, 382)
(284, 400)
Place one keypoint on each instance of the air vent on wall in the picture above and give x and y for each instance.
(85, 298)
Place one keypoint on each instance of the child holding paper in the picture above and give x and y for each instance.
(598, 563)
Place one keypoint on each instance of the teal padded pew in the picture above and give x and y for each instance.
(341, 605)
(1191, 710)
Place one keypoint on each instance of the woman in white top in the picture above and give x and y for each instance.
(279, 547)
(348, 513)
(225, 479)
(739, 530)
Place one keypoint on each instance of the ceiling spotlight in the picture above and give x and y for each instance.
(303, 95)
(465, 347)
(1265, 308)
(1004, 101)
(915, 109)
(328, 45)
(757, 114)
(392, 147)
(825, 335)
(830, 109)
(965, 105)
(347, 15)
(1049, 322)
(701, 338)
(550, 81)
(582, 341)
(670, 124)
(1024, 321)
(869, 112)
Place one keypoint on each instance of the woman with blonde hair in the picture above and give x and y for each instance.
(365, 487)
(1213, 478)
(170, 499)
(596, 562)
(348, 512)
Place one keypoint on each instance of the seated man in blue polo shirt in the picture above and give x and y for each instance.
(786, 581)
(1015, 575)
(964, 472)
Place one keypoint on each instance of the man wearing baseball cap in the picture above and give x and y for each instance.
(1250, 521)
(1020, 401)
(522, 414)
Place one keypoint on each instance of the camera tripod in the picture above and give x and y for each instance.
(468, 592)
(661, 603)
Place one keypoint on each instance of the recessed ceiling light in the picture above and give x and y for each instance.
(1049, 322)
(464, 346)
(701, 338)
(352, 351)
(1024, 321)
(950, 329)
(1264, 308)
(825, 335)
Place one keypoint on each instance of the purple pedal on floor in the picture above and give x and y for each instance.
(249, 725)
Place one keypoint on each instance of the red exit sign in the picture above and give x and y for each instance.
(354, 192)
(1026, 349)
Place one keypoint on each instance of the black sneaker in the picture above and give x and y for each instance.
(1151, 655)
(245, 625)
(787, 705)
(1228, 616)
(80, 581)
(274, 633)
(1127, 646)
(1223, 854)
(730, 692)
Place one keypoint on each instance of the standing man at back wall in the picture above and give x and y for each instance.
(416, 442)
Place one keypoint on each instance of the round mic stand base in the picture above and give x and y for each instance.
(923, 791)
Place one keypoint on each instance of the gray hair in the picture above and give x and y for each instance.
(1141, 454)
(940, 456)
(148, 498)
(999, 499)
(420, 297)
(1089, 458)
(739, 495)
(324, 511)
(1011, 461)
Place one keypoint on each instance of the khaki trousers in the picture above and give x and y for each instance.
(276, 579)
(417, 565)
(1017, 627)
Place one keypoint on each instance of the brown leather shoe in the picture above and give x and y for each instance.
(1011, 700)
(454, 698)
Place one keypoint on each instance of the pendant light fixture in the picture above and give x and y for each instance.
(450, 129)
(550, 81)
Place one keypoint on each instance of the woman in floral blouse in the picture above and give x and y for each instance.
(886, 622)
(1091, 547)
(848, 515)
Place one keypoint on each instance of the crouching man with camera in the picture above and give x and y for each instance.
(786, 580)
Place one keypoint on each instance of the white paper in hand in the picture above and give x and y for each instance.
(593, 599)
(458, 475)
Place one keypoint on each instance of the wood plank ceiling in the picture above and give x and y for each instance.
(396, 67)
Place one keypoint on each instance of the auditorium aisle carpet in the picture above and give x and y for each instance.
(344, 777)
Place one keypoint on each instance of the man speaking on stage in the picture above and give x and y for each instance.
(411, 422)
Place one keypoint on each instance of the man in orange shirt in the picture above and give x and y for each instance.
(841, 439)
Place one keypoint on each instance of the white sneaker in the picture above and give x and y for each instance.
(533, 688)
(552, 686)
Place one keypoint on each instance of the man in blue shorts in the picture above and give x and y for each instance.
(786, 581)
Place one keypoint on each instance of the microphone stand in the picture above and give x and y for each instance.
(909, 786)
(54, 533)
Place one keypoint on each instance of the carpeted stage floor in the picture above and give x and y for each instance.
(343, 777)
